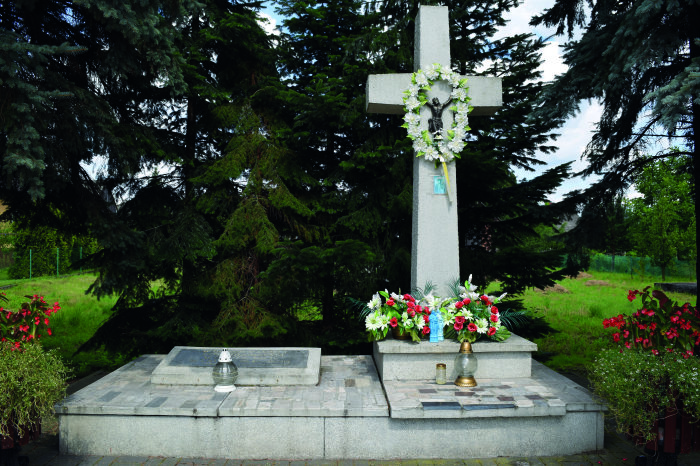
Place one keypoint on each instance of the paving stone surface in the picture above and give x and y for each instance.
(349, 386)
(490, 398)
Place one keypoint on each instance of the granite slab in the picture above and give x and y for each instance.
(186, 365)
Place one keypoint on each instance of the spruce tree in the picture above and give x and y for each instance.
(355, 197)
(641, 59)
(156, 97)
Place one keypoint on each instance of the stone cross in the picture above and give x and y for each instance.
(435, 245)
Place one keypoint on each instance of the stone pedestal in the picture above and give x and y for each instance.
(406, 360)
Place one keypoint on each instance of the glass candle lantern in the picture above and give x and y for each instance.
(440, 373)
(225, 373)
(465, 366)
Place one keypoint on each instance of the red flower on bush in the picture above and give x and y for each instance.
(659, 324)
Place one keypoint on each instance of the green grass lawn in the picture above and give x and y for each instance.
(80, 315)
(575, 307)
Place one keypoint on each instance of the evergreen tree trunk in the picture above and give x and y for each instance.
(190, 151)
(694, 54)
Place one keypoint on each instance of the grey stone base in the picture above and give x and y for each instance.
(329, 437)
(349, 414)
(406, 360)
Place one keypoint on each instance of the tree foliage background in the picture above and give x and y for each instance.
(641, 59)
(240, 184)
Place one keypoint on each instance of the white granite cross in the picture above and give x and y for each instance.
(435, 246)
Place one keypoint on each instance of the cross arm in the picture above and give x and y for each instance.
(385, 93)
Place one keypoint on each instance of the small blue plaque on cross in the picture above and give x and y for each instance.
(439, 184)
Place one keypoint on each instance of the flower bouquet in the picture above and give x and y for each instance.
(472, 315)
(401, 312)
(467, 316)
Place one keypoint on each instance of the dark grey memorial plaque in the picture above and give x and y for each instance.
(243, 358)
(256, 366)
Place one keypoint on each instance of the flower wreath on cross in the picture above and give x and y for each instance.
(446, 144)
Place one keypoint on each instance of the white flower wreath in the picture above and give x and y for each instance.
(445, 145)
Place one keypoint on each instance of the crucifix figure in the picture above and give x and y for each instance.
(435, 244)
(436, 109)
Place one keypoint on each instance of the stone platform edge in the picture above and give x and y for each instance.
(513, 344)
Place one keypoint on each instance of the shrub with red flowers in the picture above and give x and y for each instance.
(29, 322)
(658, 375)
(660, 325)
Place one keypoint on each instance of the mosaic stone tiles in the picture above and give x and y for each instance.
(491, 398)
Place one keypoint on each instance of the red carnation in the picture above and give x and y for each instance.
(459, 305)
(494, 310)
(494, 318)
(394, 322)
(492, 331)
(458, 326)
(426, 330)
(472, 327)
(466, 301)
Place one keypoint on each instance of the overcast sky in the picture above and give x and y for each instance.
(576, 133)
